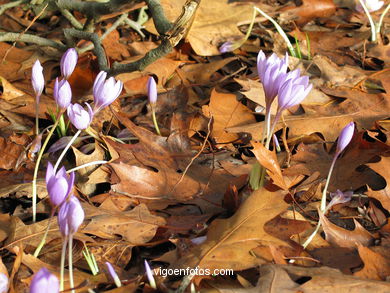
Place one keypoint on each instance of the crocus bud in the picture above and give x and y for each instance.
(68, 62)
(149, 275)
(58, 185)
(44, 282)
(293, 91)
(105, 91)
(372, 5)
(37, 79)
(272, 74)
(152, 91)
(3, 283)
(70, 216)
(345, 137)
(62, 93)
(113, 274)
(79, 117)
(227, 47)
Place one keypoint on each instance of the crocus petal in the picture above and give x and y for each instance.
(3, 283)
(79, 117)
(62, 93)
(68, 62)
(152, 90)
(113, 274)
(345, 137)
(37, 79)
(44, 282)
(75, 214)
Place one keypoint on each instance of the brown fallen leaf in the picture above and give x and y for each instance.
(383, 195)
(309, 10)
(214, 22)
(230, 241)
(137, 226)
(153, 169)
(226, 112)
(268, 159)
(313, 158)
(345, 238)
(376, 266)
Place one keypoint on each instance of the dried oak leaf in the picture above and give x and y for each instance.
(226, 112)
(376, 265)
(137, 226)
(154, 168)
(345, 238)
(313, 158)
(383, 195)
(230, 241)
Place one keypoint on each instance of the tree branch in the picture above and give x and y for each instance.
(17, 37)
(161, 23)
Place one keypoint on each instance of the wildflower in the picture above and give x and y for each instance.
(70, 216)
(58, 185)
(152, 91)
(105, 91)
(113, 274)
(229, 46)
(3, 283)
(79, 117)
(272, 73)
(37, 79)
(149, 274)
(68, 62)
(345, 137)
(372, 5)
(44, 282)
(62, 93)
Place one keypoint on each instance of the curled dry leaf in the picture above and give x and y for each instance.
(345, 238)
(309, 10)
(269, 160)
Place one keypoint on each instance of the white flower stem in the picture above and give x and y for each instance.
(379, 24)
(39, 158)
(63, 254)
(42, 243)
(86, 165)
(37, 115)
(280, 31)
(372, 24)
(66, 149)
(155, 120)
(323, 199)
(70, 262)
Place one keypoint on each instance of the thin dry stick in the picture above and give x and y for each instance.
(27, 28)
(194, 157)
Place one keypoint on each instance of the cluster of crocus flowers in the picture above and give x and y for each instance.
(290, 88)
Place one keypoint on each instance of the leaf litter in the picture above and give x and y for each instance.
(181, 200)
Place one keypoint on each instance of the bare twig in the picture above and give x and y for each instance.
(12, 37)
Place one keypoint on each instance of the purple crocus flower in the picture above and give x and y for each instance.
(293, 91)
(113, 274)
(272, 74)
(345, 137)
(339, 197)
(79, 117)
(58, 185)
(152, 91)
(372, 5)
(37, 79)
(70, 216)
(227, 47)
(44, 282)
(105, 91)
(62, 93)
(68, 62)
(3, 283)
